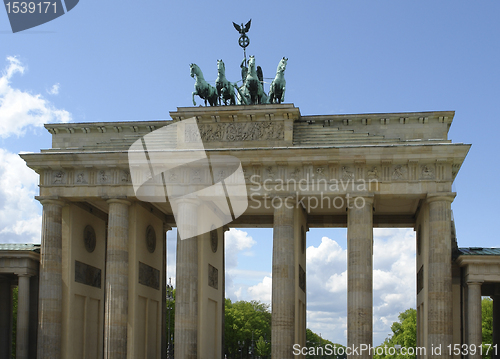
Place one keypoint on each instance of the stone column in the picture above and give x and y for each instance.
(23, 317)
(440, 323)
(186, 295)
(50, 293)
(474, 316)
(496, 324)
(5, 318)
(360, 273)
(116, 310)
(283, 291)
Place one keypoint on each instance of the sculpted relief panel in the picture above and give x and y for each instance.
(231, 132)
(260, 172)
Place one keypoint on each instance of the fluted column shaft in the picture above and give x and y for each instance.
(50, 292)
(23, 317)
(283, 287)
(116, 315)
(186, 295)
(474, 317)
(496, 324)
(440, 324)
(5, 318)
(360, 274)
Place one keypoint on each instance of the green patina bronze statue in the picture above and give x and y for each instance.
(277, 88)
(225, 89)
(253, 87)
(203, 88)
(251, 92)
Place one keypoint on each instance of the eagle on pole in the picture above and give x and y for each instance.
(242, 29)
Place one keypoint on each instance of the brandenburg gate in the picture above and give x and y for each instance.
(102, 270)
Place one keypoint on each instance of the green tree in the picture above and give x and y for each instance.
(170, 319)
(404, 333)
(263, 347)
(315, 341)
(487, 323)
(243, 322)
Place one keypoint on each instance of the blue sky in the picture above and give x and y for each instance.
(129, 60)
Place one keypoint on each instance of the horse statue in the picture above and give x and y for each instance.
(253, 88)
(278, 85)
(225, 89)
(202, 88)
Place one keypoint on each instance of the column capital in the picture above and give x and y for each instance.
(121, 200)
(56, 200)
(441, 196)
(24, 274)
(368, 198)
(475, 282)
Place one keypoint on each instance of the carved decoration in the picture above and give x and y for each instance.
(230, 132)
(88, 275)
(151, 239)
(89, 238)
(172, 177)
(125, 176)
(373, 173)
(102, 177)
(399, 172)
(427, 172)
(420, 279)
(80, 178)
(320, 172)
(196, 177)
(270, 172)
(347, 174)
(295, 173)
(58, 177)
(246, 174)
(149, 276)
(214, 240)
(213, 277)
(302, 278)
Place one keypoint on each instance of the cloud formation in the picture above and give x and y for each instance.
(20, 217)
(393, 284)
(20, 110)
(54, 90)
(236, 242)
(20, 213)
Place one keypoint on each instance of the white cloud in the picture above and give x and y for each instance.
(393, 283)
(262, 291)
(20, 110)
(236, 242)
(20, 218)
(54, 90)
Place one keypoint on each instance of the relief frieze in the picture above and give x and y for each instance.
(87, 274)
(149, 276)
(232, 132)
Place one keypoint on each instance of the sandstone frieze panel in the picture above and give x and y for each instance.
(235, 132)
